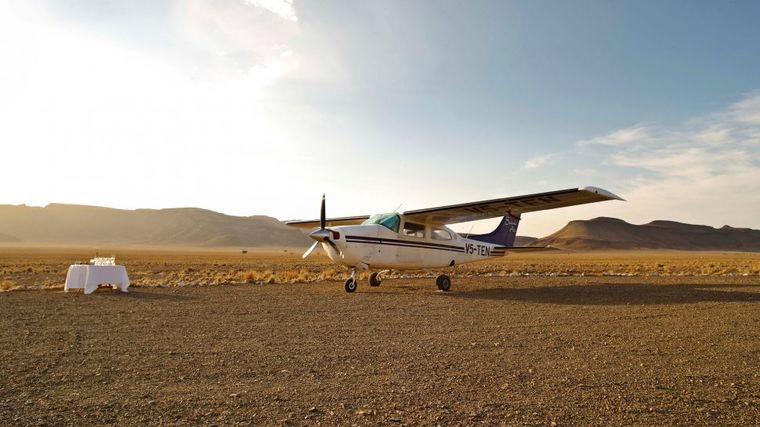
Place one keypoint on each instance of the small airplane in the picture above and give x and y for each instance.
(419, 239)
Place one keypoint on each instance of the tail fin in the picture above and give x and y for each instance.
(505, 233)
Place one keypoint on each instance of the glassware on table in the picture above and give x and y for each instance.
(103, 260)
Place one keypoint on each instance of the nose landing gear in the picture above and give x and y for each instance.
(351, 283)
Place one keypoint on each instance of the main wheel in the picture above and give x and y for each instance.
(443, 282)
(350, 284)
(374, 279)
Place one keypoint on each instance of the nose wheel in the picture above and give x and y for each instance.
(351, 283)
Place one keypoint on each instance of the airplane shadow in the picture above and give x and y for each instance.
(140, 294)
(617, 294)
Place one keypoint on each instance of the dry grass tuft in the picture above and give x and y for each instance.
(8, 285)
(291, 275)
(256, 276)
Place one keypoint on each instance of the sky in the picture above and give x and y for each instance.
(251, 107)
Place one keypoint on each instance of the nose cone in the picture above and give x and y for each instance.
(320, 235)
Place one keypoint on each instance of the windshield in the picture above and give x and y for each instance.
(390, 221)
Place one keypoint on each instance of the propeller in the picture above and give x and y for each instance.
(323, 234)
(309, 251)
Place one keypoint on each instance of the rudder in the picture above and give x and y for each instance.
(503, 235)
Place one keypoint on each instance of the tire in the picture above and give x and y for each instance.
(443, 282)
(350, 284)
(374, 279)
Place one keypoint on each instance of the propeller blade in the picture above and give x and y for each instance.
(310, 250)
(322, 214)
(334, 246)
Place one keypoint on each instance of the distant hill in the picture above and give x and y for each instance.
(612, 233)
(8, 238)
(524, 240)
(77, 224)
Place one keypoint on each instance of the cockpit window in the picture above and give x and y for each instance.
(390, 221)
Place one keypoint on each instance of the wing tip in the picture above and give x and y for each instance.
(602, 192)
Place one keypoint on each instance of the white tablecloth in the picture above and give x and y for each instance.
(88, 277)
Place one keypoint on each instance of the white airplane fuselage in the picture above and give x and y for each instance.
(378, 247)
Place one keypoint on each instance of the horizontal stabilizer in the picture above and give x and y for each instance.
(531, 248)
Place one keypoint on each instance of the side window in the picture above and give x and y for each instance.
(441, 234)
(413, 230)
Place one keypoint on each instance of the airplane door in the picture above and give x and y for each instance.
(409, 255)
(369, 253)
(411, 233)
(385, 254)
(381, 250)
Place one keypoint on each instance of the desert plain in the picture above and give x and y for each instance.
(266, 338)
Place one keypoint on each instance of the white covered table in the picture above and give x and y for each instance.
(88, 277)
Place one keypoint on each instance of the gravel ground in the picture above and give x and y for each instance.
(499, 350)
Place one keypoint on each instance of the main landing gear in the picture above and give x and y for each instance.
(351, 281)
(375, 279)
(443, 282)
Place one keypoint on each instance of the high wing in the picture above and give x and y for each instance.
(329, 222)
(515, 206)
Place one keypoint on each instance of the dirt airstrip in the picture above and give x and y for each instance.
(506, 349)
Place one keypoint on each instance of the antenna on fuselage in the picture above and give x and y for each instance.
(398, 207)
(470, 232)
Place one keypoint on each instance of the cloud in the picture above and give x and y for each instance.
(706, 170)
(624, 136)
(185, 89)
(283, 8)
(747, 111)
(538, 161)
(240, 40)
(212, 41)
